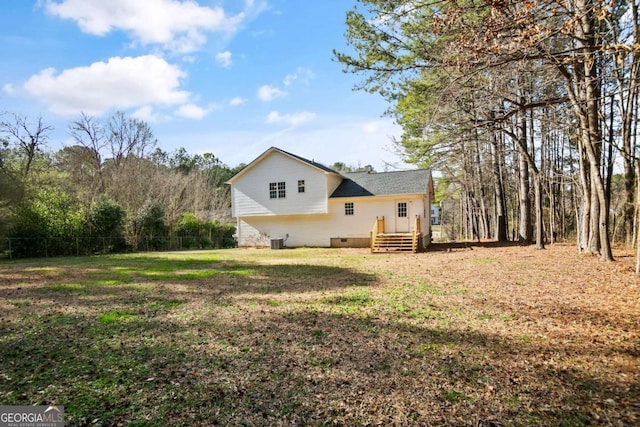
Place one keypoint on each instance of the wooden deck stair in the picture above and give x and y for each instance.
(395, 242)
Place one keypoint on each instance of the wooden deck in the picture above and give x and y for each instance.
(395, 242)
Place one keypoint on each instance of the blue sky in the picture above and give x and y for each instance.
(231, 77)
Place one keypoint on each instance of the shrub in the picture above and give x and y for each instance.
(188, 225)
(47, 225)
(106, 226)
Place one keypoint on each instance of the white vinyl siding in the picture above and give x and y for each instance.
(366, 209)
(333, 181)
(248, 235)
(317, 230)
(251, 195)
(295, 230)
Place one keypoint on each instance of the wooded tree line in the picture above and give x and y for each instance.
(528, 108)
(112, 189)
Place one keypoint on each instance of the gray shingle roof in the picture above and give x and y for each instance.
(307, 161)
(361, 184)
(272, 149)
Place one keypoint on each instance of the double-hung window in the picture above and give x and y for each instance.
(277, 190)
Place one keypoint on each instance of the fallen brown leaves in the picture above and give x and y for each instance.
(475, 336)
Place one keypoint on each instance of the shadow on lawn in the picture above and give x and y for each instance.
(115, 346)
(144, 278)
(297, 367)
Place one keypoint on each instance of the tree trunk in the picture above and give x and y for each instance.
(628, 86)
(483, 214)
(629, 183)
(593, 244)
(498, 182)
(539, 211)
(637, 220)
(525, 202)
(585, 210)
(588, 115)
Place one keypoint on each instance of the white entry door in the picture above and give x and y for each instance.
(402, 217)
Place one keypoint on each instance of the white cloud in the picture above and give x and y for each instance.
(224, 59)
(191, 111)
(9, 89)
(374, 126)
(290, 119)
(331, 139)
(118, 83)
(146, 113)
(303, 75)
(268, 93)
(180, 26)
(237, 101)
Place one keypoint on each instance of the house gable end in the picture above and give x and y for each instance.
(273, 150)
(277, 183)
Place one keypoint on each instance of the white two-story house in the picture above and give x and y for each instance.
(283, 196)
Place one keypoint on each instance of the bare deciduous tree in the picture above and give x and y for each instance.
(89, 133)
(128, 136)
(29, 137)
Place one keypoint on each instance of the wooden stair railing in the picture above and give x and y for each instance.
(400, 242)
(378, 228)
(417, 233)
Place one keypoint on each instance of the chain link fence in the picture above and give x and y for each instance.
(42, 246)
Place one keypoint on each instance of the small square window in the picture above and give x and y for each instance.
(348, 208)
(301, 186)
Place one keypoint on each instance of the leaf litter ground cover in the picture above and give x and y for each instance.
(478, 336)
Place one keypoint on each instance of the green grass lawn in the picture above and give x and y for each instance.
(305, 337)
